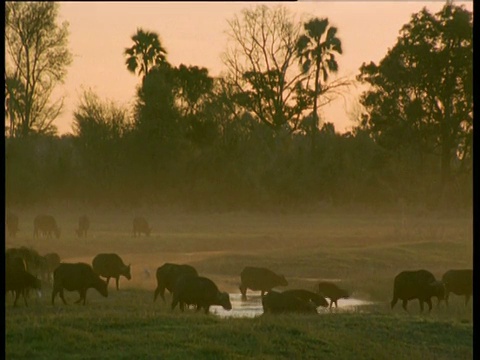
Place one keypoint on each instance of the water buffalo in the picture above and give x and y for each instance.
(140, 226)
(45, 225)
(167, 276)
(259, 279)
(18, 280)
(76, 277)
(459, 282)
(280, 303)
(11, 223)
(110, 266)
(34, 263)
(307, 296)
(199, 291)
(83, 226)
(332, 291)
(417, 284)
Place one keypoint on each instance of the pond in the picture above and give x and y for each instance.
(252, 306)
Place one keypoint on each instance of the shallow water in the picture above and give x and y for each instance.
(252, 307)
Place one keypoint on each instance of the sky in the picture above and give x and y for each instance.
(193, 33)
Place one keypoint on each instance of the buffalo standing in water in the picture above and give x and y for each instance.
(259, 279)
(199, 291)
(281, 303)
(333, 292)
(418, 284)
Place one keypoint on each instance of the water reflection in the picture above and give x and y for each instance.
(252, 307)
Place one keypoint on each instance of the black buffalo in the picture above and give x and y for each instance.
(110, 266)
(18, 280)
(11, 223)
(459, 282)
(280, 303)
(168, 274)
(307, 296)
(76, 277)
(45, 225)
(333, 292)
(199, 291)
(140, 226)
(418, 284)
(259, 279)
(83, 226)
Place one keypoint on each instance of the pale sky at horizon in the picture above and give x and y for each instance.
(193, 33)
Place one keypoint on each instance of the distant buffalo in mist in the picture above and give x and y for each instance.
(18, 280)
(111, 266)
(308, 296)
(76, 277)
(45, 225)
(83, 226)
(199, 291)
(417, 284)
(459, 282)
(11, 222)
(168, 274)
(259, 279)
(332, 291)
(140, 226)
(281, 303)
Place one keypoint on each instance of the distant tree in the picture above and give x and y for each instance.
(421, 91)
(317, 49)
(146, 52)
(37, 56)
(260, 61)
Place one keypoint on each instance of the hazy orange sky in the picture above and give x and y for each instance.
(193, 33)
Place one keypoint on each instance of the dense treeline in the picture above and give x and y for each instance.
(252, 138)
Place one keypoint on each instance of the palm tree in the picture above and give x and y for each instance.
(145, 53)
(317, 48)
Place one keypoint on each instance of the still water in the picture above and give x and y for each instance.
(252, 307)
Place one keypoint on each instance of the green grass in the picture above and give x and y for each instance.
(364, 249)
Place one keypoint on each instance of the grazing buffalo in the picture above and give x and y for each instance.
(45, 225)
(280, 303)
(110, 266)
(332, 291)
(199, 291)
(259, 279)
(167, 276)
(83, 226)
(140, 226)
(307, 296)
(18, 280)
(459, 282)
(418, 284)
(11, 223)
(76, 277)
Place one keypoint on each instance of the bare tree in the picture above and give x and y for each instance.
(262, 65)
(36, 60)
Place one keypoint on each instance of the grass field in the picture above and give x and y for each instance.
(362, 248)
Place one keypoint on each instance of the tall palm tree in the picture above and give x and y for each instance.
(145, 53)
(317, 48)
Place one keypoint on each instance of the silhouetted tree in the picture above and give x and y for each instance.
(260, 63)
(421, 94)
(317, 49)
(146, 52)
(36, 60)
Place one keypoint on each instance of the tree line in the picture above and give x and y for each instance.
(255, 136)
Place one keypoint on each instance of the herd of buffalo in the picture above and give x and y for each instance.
(26, 269)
